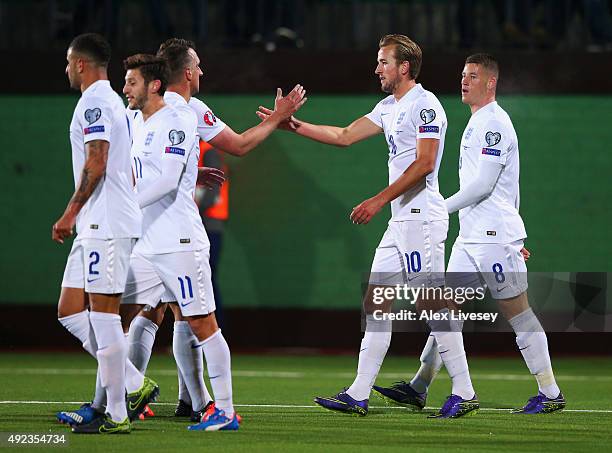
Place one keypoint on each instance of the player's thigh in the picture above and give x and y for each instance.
(387, 266)
(463, 270)
(73, 272)
(502, 267)
(187, 276)
(106, 266)
(144, 285)
(421, 245)
(72, 298)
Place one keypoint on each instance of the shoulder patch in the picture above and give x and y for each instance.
(210, 118)
(428, 115)
(492, 138)
(92, 115)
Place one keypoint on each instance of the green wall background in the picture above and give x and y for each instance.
(289, 242)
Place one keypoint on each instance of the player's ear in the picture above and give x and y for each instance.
(188, 74)
(405, 68)
(155, 85)
(492, 83)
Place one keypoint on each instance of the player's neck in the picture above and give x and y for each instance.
(403, 88)
(89, 78)
(475, 107)
(183, 90)
(155, 104)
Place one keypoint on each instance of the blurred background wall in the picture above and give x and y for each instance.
(289, 246)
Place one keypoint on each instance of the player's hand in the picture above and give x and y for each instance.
(210, 177)
(291, 124)
(63, 228)
(526, 253)
(286, 106)
(363, 212)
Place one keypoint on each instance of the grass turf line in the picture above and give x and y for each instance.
(307, 429)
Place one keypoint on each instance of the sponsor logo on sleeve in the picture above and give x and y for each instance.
(428, 115)
(209, 118)
(491, 233)
(491, 152)
(93, 129)
(492, 138)
(92, 115)
(429, 129)
(175, 150)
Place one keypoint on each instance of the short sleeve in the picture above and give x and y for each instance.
(96, 119)
(427, 118)
(375, 115)
(209, 126)
(494, 142)
(180, 139)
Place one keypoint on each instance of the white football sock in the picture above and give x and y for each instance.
(431, 362)
(189, 360)
(99, 400)
(374, 346)
(183, 392)
(112, 356)
(450, 346)
(532, 342)
(79, 326)
(140, 342)
(219, 365)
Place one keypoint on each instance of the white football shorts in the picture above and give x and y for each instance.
(98, 265)
(183, 277)
(412, 253)
(500, 267)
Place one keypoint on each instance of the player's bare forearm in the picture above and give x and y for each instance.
(414, 174)
(411, 177)
(93, 171)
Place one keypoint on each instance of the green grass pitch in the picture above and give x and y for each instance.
(274, 396)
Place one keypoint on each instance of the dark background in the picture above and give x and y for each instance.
(292, 265)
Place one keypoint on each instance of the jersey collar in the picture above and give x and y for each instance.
(174, 98)
(412, 94)
(96, 83)
(490, 107)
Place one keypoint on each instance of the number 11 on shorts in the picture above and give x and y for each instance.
(189, 287)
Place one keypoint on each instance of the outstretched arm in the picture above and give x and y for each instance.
(358, 130)
(240, 144)
(93, 171)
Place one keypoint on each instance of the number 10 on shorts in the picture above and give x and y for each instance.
(413, 262)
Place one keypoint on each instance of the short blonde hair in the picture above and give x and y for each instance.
(405, 50)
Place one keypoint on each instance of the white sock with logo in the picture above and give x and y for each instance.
(450, 346)
(532, 342)
(431, 362)
(140, 342)
(374, 346)
(112, 355)
(189, 360)
(219, 365)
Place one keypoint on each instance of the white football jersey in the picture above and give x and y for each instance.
(490, 136)
(112, 210)
(418, 114)
(172, 223)
(208, 124)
